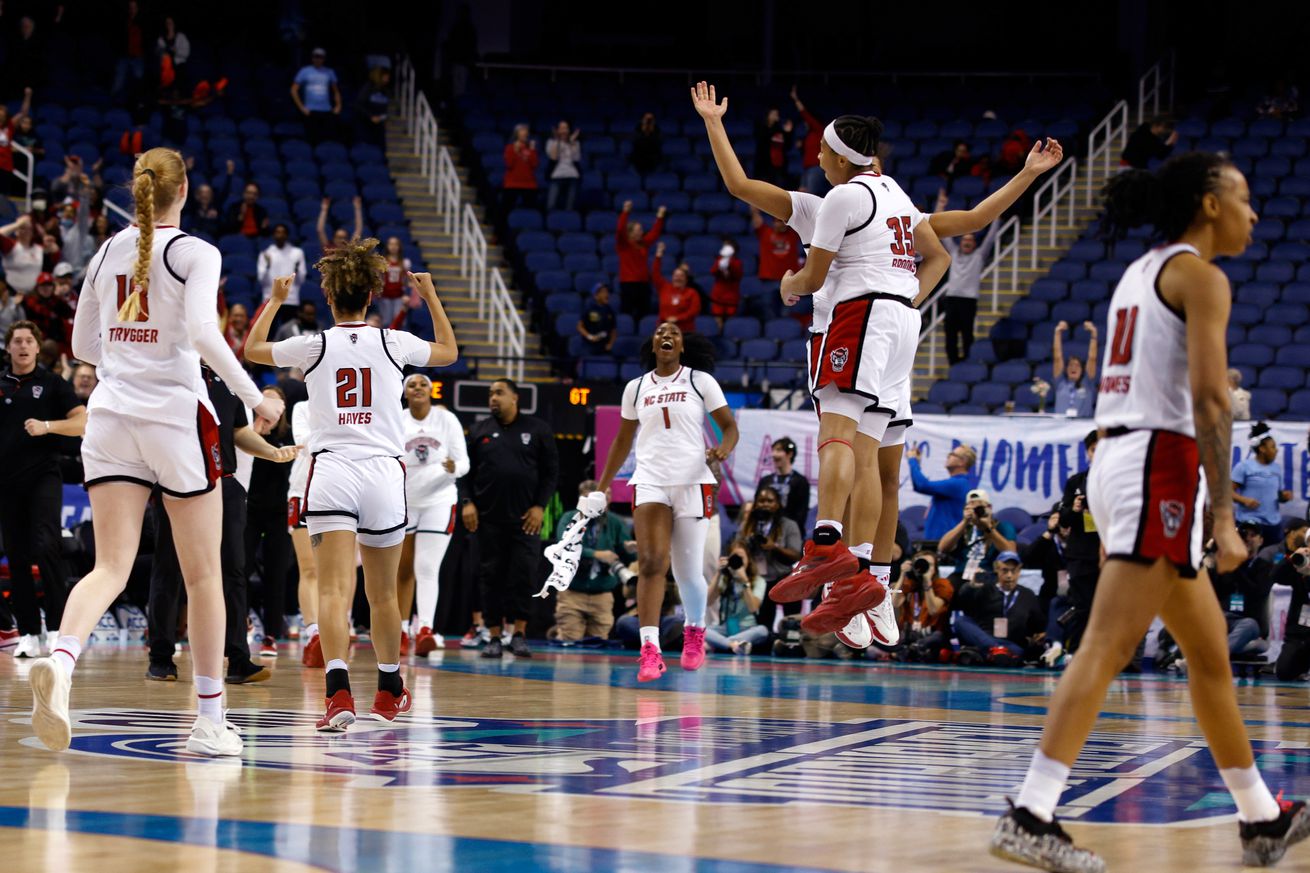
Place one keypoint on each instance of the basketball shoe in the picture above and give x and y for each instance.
(650, 664)
(818, 566)
(29, 646)
(1264, 842)
(849, 596)
(312, 654)
(386, 706)
(693, 647)
(214, 740)
(50, 687)
(1023, 838)
(340, 714)
(427, 642)
(404, 644)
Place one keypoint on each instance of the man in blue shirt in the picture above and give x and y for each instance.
(317, 97)
(1259, 481)
(947, 494)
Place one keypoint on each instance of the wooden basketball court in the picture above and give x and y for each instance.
(564, 763)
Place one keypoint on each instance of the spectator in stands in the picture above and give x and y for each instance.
(304, 324)
(9, 183)
(780, 251)
(339, 236)
(598, 325)
(317, 97)
(75, 228)
(51, 313)
(281, 258)
(586, 608)
(792, 488)
(1293, 538)
(678, 303)
(952, 163)
(774, 543)
(564, 153)
(521, 159)
(21, 252)
(634, 270)
(1082, 548)
(725, 294)
(962, 287)
(1258, 485)
(84, 381)
(1152, 141)
(1014, 152)
(1294, 659)
(812, 180)
(371, 105)
(1075, 383)
(1284, 101)
(973, 544)
(948, 495)
(130, 68)
(772, 143)
(25, 136)
(11, 306)
(647, 146)
(738, 589)
(1238, 397)
(922, 600)
(395, 284)
(238, 325)
(1244, 595)
(201, 213)
(1000, 617)
(101, 230)
(74, 180)
(247, 216)
(174, 50)
(63, 275)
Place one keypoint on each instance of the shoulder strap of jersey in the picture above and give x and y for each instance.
(164, 258)
(872, 214)
(322, 350)
(691, 380)
(382, 332)
(104, 253)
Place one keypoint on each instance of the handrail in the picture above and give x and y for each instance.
(1104, 144)
(507, 331)
(1152, 88)
(1059, 188)
(119, 212)
(449, 190)
(27, 177)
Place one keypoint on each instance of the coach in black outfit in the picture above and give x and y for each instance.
(1082, 549)
(513, 471)
(35, 405)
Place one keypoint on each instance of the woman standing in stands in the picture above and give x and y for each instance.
(266, 531)
(521, 160)
(395, 285)
(146, 316)
(673, 488)
(633, 247)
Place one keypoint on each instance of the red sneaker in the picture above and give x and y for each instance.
(847, 597)
(404, 644)
(818, 566)
(425, 643)
(386, 706)
(340, 714)
(312, 655)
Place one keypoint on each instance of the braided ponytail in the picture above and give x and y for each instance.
(156, 181)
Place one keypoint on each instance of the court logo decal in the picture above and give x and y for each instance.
(892, 763)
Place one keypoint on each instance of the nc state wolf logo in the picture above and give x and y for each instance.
(839, 358)
(421, 452)
(1172, 513)
(354, 338)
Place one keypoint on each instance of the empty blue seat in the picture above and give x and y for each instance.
(967, 372)
(563, 301)
(1089, 291)
(1049, 290)
(1107, 271)
(793, 350)
(1275, 271)
(1273, 335)
(707, 325)
(685, 223)
(599, 369)
(571, 243)
(1025, 400)
(1262, 294)
(712, 203)
(235, 244)
(1028, 311)
(577, 262)
(1267, 402)
(728, 225)
(1286, 378)
(564, 222)
(1245, 314)
(741, 328)
(1068, 271)
(759, 349)
(1298, 404)
(732, 374)
(1073, 311)
(566, 323)
(947, 393)
(386, 213)
(783, 329)
(1289, 314)
(554, 280)
(990, 395)
(1087, 250)
(982, 352)
(1012, 372)
(1251, 354)
(627, 348)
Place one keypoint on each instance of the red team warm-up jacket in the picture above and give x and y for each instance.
(632, 256)
(679, 305)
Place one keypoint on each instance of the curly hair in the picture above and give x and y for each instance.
(352, 274)
(1167, 199)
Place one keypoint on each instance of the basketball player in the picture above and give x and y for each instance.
(146, 316)
(311, 652)
(1163, 417)
(355, 490)
(435, 456)
(673, 488)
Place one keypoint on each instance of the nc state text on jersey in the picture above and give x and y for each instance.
(668, 397)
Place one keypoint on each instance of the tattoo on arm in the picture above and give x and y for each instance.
(315, 540)
(1214, 445)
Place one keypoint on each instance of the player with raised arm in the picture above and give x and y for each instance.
(355, 493)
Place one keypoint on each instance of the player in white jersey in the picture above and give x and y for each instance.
(311, 651)
(673, 488)
(146, 316)
(355, 490)
(435, 456)
(1164, 417)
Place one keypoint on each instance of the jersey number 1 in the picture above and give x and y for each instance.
(1125, 325)
(354, 387)
(123, 290)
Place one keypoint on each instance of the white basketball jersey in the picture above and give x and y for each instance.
(428, 443)
(300, 436)
(869, 222)
(1144, 378)
(353, 373)
(670, 412)
(150, 368)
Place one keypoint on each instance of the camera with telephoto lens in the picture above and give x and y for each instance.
(980, 512)
(620, 571)
(920, 570)
(1301, 563)
(755, 542)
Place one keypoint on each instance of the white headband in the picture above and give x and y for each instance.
(834, 142)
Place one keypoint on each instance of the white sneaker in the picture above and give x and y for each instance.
(882, 620)
(29, 646)
(1051, 656)
(506, 635)
(214, 740)
(858, 633)
(50, 687)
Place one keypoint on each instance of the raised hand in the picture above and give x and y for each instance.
(422, 282)
(706, 104)
(281, 288)
(1044, 155)
(627, 205)
(1062, 327)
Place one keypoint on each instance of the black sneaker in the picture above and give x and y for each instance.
(243, 674)
(518, 647)
(1023, 838)
(493, 649)
(162, 671)
(1264, 842)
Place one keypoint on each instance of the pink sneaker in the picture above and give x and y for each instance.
(651, 665)
(693, 647)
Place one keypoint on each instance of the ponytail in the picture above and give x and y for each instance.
(1167, 199)
(156, 180)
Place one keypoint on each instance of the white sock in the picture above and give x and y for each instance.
(863, 550)
(311, 631)
(209, 698)
(651, 635)
(389, 668)
(883, 573)
(66, 652)
(404, 627)
(823, 522)
(1043, 786)
(337, 664)
(1254, 802)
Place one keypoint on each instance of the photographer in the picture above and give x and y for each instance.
(1082, 552)
(923, 606)
(1001, 619)
(1047, 553)
(586, 608)
(974, 543)
(1294, 660)
(1244, 595)
(773, 542)
(1292, 539)
(740, 590)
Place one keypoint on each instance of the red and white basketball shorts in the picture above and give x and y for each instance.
(436, 518)
(365, 497)
(184, 460)
(1147, 497)
(686, 501)
(861, 368)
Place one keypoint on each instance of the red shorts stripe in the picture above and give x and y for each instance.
(841, 346)
(1172, 481)
(450, 525)
(707, 495)
(207, 427)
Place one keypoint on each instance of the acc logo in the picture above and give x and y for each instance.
(838, 358)
(1172, 513)
(955, 767)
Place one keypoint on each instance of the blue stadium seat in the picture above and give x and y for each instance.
(646, 327)
(566, 323)
(386, 213)
(712, 203)
(1012, 372)
(707, 325)
(741, 328)
(572, 243)
(578, 262)
(793, 350)
(1275, 271)
(585, 281)
(685, 223)
(554, 280)
(1285, 378)
(1289, 314)
(1262, 294)
(236, 244)
(1025, 400)
(728, 225)
(1049, 290)
(564, 222)
(982, 352)
(1251, 354)
(1087, 250)
(627, 348)
(1028, 312)
(1089, 291)
(1298, 404)
(598, 369)
(1274, 335)
(1245, 314)
(563, 301)
(1068, 271)
(1107, 271)
(732, 374)
(759, 349)
(1073, 311)
(990, 394)
(538, 261)
(947, 393)
(1267, 402)
(783, 329)
(968, 373)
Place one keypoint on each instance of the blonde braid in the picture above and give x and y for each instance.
(143, 192)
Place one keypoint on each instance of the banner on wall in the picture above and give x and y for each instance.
(1023, 461)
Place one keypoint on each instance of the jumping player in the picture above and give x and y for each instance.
(435, 456)
(146, 316)
(673, 488)
(1163, 415)
(355, 491)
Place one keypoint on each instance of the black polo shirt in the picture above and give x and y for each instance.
(44, 396)
(512, 467)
